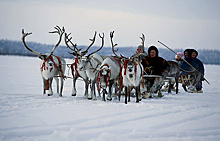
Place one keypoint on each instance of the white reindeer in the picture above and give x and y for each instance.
(87, 65)
(132, 72)
(51, 66)
(76, 72)
(109, 74)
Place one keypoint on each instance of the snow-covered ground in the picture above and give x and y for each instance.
(26, 114)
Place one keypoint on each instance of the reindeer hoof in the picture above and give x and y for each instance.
(73, 94)
(109, 99)
(49, 94)
(89, 98)
(60, 95)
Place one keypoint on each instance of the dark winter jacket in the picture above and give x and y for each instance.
(158, 63)
(196, 63)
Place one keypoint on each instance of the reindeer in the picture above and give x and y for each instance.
(174, 71)
(76, 72)
(51, 66)
(132, 72)
(109, 74)
(86, 65)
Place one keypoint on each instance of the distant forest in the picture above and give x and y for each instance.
(8, 47)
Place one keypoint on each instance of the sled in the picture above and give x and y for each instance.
(190, 81)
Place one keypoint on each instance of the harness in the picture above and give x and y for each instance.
(106, 78)
(76, 61)
(43, 67)
(125, 67)
(135, 69)
(120, 75)
(109, 75)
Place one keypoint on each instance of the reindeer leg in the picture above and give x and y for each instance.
(104, 93)
(86, 87)
(129, 93)
(58, 86)
(177, 83)
(50, 91)
(44, 85)
(98, 88)
(61, 88)
(136, 93)
(139, 93)
(109, 97)
(126, 94)
(119, 94)
(92, 94)
(115, 84)
(169, 86)
(74, 85)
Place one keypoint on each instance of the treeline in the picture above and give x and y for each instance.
(8, 47)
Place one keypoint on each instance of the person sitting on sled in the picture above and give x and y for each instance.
(187, 52)
(178, 58)
(155, 65)
(197, 64)
(140, 53)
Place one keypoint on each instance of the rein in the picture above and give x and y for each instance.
(120, 75)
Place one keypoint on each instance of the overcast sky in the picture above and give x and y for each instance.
(177, 23)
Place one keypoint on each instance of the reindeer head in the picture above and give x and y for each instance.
(83, 61)
(47, 59)
(104, 75)
(82, 56)
(130, 64)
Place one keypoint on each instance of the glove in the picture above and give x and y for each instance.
(149, 70)
(165, 73)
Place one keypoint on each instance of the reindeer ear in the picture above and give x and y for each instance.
(42, 57)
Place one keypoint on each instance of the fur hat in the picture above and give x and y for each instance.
(193, 50)
(140, 46)
(153, 48)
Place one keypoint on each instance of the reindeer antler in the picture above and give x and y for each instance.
(67, 39)
(102, 37)
(25, 45)
(142, 41)
(60, 32)
(114, 45)
(93, 40)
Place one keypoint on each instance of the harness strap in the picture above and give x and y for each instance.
(97, 60)
(104, 65)
(75, 65)
(120, 75)
(106, 78)
(142, 74)
(125, 66)
(60, 65)
(51, 58)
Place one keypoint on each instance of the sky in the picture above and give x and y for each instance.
(176, 23)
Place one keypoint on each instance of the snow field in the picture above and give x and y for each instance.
(26, 114)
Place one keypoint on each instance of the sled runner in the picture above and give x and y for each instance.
(152, 84)
(191, 81)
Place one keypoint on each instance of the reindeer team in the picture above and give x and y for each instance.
(122, 73)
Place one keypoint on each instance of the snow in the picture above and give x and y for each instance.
(27, 114)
